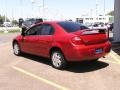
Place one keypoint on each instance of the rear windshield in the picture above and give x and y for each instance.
(72, 26)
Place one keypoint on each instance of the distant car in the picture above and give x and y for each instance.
(1, 25)
(62, 42)
(98, 26)
(29, 22)
(7, 24)
(111, 26)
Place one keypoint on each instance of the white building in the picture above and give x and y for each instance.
(116, 31)
(96, 19)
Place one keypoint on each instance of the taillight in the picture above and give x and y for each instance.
(107, 36)
(76, 40)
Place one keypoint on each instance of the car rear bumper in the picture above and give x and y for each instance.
(87, 52)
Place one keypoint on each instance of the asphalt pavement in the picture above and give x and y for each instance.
(28, 72)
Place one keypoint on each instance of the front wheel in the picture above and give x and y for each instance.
(58, 60)
(16, 49)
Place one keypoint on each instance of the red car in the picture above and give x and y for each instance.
(62, 42)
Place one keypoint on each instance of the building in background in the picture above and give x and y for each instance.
(95, 19)
(116, 31)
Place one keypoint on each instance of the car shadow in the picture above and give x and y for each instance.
(116, 47)
(76, 67)
(86, 66)
(37, 58)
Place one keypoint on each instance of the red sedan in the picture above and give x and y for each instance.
(62, 42)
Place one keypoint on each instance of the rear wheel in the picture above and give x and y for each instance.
(16, 49)
(58, 60)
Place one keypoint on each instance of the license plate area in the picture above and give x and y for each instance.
(98, 51)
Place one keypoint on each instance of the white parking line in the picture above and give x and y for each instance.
(108, 61)
(40, 78)
(115, 56)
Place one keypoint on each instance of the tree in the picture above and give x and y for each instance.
(14, 22)
(111, 13)
(2, 19)
(7, 20)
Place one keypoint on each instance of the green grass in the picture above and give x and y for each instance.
(11, 31)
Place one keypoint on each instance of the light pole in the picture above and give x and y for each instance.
(91, 12)
(5, 22)
(21, 8)
(33, 2)
(43, 4)
(96, 19)
(96, 7)
(104, 7)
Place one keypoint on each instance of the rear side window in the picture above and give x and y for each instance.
(46, 29)
(72, 26)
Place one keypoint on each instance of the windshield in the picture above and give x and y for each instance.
(72, 26)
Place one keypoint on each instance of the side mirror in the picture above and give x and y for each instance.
(23, 31)
(20, 22)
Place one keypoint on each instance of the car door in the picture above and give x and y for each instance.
(45, 39)
(29, 41)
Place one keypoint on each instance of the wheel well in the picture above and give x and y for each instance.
(14, 41)
(55, 49)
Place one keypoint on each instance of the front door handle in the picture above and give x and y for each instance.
(23, 39)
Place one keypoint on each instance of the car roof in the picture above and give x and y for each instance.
(48, 22)
(54, 22)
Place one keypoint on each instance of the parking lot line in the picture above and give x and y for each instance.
(116, 48)
(115, 56)
(108, 61)
(40, 78)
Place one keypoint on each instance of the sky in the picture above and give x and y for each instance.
(54, 9)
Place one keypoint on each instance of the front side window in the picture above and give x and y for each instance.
(34, 30)
(42, 29)
(30, 32)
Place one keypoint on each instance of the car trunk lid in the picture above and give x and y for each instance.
(92, 36)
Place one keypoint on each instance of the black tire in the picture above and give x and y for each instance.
(16, 49)
(58, 60)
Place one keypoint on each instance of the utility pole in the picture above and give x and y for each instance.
(91, 12)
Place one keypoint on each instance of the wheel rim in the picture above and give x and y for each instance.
(56, 59)
(16, 49)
